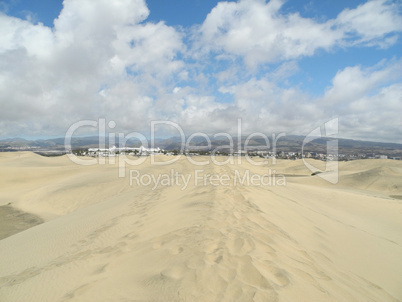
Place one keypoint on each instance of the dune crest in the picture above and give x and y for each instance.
(105, 239)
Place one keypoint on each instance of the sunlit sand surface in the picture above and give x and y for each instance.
(104, 239)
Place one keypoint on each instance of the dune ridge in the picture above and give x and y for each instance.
(106, 240)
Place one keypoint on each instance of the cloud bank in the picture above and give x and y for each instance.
(104, 59)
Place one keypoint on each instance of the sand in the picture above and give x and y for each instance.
(13, 221)
(297, 238)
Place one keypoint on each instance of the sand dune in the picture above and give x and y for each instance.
(384, 178)
(104, 239)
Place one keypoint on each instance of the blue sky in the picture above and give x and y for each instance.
(280, 66)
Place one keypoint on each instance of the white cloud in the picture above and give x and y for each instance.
(268, 108)
(55, 76)
(259, 33)
(176, 89)
(102, 59)
(353, 83)
(374, 117)
(367, 100)
(369, 22)
(150, 48)
(17, 34)
(284, 71)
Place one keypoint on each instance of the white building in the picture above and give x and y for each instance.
(123, 150)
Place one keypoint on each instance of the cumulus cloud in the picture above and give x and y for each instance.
(103, 59)
(368, 100)
(369, 22)
(353, 83)
(259, 33)
(97, 61)
(266, 107)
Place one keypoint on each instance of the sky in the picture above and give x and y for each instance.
(279, 66)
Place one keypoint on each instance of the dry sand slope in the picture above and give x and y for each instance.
(106, 240)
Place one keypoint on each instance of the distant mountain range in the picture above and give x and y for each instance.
(290, 143)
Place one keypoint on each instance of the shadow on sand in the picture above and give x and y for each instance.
(13, 221)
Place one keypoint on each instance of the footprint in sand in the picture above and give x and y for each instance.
(176, 250)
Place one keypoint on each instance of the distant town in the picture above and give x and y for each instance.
(143, 151)
(287, 147)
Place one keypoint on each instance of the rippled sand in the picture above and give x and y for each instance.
(104, 239)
